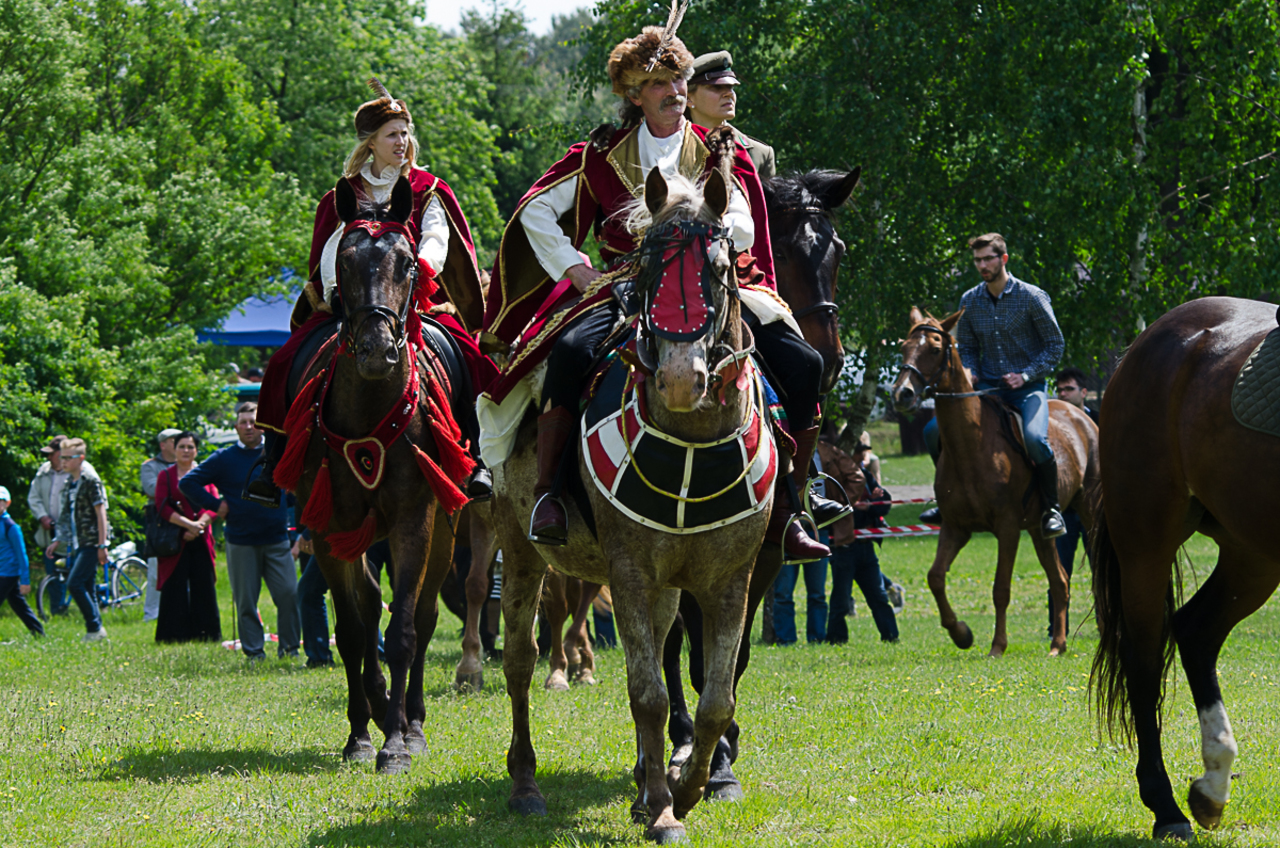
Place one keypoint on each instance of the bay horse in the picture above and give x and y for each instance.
(806, 259)
(373, 453)
(647, 567)
(982, 479)
(1176, 461)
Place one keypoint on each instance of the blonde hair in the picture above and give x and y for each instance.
(364, 149)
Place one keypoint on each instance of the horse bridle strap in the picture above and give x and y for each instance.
(399, 322)
(821, 306)
(931, 382)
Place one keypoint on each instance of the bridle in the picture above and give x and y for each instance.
(826, 306)
(357, 317)
(930, 383)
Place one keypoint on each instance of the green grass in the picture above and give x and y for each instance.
(916, 744)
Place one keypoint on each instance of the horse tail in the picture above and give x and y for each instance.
(1108, 685)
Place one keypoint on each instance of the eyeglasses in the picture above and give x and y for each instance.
(1062, 389)
(64, 457)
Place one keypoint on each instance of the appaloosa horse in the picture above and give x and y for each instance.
(1177, 460)
(806, 260)
(982, 479)
(374, 453)
(694, 402)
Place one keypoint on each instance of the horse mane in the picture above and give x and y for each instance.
(805, 190)
(684, 202)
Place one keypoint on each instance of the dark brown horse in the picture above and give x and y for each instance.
(982, 480)
(806, 253)
(376, 282)
(1175, 462)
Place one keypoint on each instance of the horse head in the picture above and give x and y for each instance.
(377, 271)
(807, 254)
(929, 361)
(691, 316)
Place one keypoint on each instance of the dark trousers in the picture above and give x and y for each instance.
(81, 583)
(188, 600)
(313, 614)
(18, 603)
(857, 562)
(572, 354)
(1067, 543)
(794, 369)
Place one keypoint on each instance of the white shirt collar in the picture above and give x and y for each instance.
(240, 443)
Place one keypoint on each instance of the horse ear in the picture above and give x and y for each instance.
(401, 200)
(950, 321)
(835, 193)
(655, 191)
(916, 316)
(345, 200)
(716, 193)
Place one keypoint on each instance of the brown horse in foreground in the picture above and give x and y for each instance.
(1176, 461)
(982, 480)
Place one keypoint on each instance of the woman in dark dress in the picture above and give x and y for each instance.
(188, 600)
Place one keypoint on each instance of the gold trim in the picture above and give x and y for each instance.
(557, 320)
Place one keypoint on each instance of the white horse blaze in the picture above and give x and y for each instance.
(1218, 748)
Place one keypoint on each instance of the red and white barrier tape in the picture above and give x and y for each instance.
(898, 532)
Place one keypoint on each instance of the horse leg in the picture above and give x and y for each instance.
(1059, 589)
(950, 541)
(1238, 586)
(469, 676)
(369, 597)
(426, 616)
(349, 632)
(724, 615)
(582, 668)
(523, 572)
(1007, 538)
(555, 604)
(643, 617)
(680, 724)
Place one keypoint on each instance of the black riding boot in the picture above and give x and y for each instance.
(1051, 523)
(824, 511)
(262, 489)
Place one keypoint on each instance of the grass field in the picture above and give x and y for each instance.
(915, 744)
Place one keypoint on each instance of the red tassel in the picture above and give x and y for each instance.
(320, 504)
(350, 545)
(445, 490)
(290, 467)
(456, 462)
(302, 404)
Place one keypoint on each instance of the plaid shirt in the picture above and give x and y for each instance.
(1015, 334)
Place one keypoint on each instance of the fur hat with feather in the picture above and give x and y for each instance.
(655, 54)
(374, 113)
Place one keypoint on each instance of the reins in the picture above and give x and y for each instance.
(930, 383)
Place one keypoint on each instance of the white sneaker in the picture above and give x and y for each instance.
(99, 636)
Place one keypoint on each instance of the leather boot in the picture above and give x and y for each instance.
(1052, 524)
(262, 489)
(549, 524)
(797, 545)
(824, 511)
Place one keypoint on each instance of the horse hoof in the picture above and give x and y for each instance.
(574, 669)
(666, 835)
(557, 682)
(585, 677)
(1181, 831)
(358, 751)
(465, 684)
(527, 805)
(415, 741)
(996, 652)
(725, 792)
(1206, 811)
(397, 762)
(961, 635)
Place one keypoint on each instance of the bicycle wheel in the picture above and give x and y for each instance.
(47, 595)
(129, 581)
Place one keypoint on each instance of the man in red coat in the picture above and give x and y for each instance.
(582, 193)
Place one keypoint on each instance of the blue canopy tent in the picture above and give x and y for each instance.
(258, 322)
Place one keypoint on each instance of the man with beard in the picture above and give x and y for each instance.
(713, 101)
(1009, 340)
(584, 192)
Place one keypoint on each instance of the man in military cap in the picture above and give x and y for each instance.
(713, 100)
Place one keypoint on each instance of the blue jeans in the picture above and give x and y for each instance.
(81, 584)
(1067, 554)
(313, 615)
(784, 608)
(1031, 400)
(858, 562)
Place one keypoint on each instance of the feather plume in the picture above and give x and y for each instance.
(678, 8)
(380, 91)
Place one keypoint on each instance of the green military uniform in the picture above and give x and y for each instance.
(717, 69)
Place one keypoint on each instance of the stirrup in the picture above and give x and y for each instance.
(1048, 516)
(260, 498)
(480, 486)
(807, 501)
(801, 519)
(548, 540)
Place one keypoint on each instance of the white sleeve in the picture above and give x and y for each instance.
(329, 262)
(742, 227)
(540, 219)
(435, 235)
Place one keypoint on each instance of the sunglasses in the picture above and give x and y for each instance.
(64, 457)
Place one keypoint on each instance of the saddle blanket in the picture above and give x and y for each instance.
(1255, 398)
(668, 484)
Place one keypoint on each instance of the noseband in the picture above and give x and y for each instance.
(357, 317)
(931, 383)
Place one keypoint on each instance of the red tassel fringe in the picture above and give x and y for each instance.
(350, 545)
(298, 425)
(320, 504)
(455, 460)
(445, 490)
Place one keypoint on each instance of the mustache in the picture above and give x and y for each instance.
(673, 100)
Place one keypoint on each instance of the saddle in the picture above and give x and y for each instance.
(1255, 397)
(1010, 418)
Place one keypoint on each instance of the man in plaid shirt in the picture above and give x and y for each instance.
(1009, 340)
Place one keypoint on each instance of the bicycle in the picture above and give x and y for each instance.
(124, 583)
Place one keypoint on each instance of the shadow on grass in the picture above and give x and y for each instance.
(474, 812)
(1033, 833)
(167, 765)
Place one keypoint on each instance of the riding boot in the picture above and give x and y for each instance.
(549, 524)
(480, 486)
(824, 511)
(785, 529)
(1052, 524)
(262, 489)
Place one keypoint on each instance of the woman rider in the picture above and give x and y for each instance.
(385, 151)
